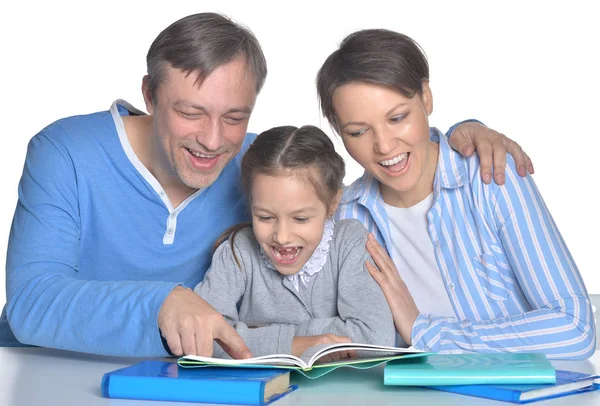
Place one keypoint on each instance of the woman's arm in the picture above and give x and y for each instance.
(560, 321)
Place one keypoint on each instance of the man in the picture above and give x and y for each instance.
(118, 210)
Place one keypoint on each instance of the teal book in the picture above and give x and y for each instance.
(159, 380)
(567, 383)
(313, 362)
(471, 369)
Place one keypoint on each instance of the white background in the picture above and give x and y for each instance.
(528, 69)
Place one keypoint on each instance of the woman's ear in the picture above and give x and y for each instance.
(427, 98)
(335, 203)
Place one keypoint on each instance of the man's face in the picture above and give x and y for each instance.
(200, 127)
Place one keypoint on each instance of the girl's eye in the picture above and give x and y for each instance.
(301, 219)
(264, 218)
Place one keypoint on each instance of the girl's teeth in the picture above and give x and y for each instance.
(289, 253)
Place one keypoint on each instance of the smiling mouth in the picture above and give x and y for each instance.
(202, 162)
(396, 164)
(201, 155)
(285, 255)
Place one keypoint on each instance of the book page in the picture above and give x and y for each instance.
(363, 351)
(555, 390)
(313, 353)
(275, 360)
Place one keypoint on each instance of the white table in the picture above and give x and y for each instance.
(38, 376)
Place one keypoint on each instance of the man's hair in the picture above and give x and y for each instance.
(199, 44)
(375, 56)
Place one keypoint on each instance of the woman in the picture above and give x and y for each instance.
(474, 267)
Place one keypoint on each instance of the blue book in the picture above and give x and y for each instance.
(159, 380)
(567, 383)
(471, 369)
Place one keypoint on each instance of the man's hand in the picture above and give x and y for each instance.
(189, 325)
(491, 146)
(302, 343)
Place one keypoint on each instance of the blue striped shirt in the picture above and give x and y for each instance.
(509, 275)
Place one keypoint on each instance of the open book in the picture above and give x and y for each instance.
(311, 363)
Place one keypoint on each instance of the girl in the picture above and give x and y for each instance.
(296, 278)
(474, 267)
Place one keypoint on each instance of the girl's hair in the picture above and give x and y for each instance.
(292, 151)
(288, 150)
(375, 56)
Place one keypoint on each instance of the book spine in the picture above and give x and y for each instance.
(193, 390)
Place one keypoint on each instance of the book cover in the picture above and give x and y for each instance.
(567, 383)
(470, 369)
(159, 380)
(310, 363)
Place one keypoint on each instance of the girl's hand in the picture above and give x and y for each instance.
(302, 343)
(403, 307)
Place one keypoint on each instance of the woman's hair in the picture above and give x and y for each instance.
(305, 152)
(374, 56)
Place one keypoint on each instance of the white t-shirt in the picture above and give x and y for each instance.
(413, 254)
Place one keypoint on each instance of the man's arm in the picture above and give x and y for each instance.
(191, 326)
(472, 136)
(49, 303)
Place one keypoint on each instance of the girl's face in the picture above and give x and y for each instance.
(288, 219)
(388, 135)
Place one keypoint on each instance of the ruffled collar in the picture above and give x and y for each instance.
(314, 264)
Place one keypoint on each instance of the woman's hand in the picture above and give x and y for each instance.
(302, 343)
(403, 307)
(491, 147)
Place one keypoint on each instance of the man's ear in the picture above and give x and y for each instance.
(335, 203)
(427, 98)
(147, 94)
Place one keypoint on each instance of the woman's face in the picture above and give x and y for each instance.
(388, 135)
